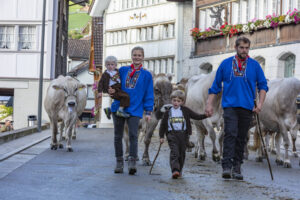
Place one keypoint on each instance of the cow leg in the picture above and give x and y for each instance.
(69, 137)
(221, 139)
(287, 162)
(61, 128)
(74, 132)
(272, 148)
(149, 132)
(246, 151)
(294, 137)
(212, 135)
(53, 125)
(267, 141)
(278, 160)
(257, 145)
(200, 141)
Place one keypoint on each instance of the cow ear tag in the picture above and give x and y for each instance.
(80, 88)
(55, 87)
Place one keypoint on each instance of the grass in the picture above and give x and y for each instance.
(77, 21)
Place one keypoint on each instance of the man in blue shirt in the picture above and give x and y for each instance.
(240, 76)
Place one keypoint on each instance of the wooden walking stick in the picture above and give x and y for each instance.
(263, 143)
(155, 158)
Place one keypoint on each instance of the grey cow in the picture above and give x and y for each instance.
(279, 114)
(65, 99)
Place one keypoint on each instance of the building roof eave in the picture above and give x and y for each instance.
(98, 8)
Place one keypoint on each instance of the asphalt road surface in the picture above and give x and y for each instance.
(87, 173)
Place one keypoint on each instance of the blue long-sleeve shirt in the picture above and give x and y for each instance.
(238, 91)
(140, 90)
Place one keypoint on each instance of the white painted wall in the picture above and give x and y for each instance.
(87, 79)
(19, 69)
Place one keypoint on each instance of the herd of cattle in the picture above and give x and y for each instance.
(66, 100)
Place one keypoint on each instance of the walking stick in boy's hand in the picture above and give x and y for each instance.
(155, 158)
(263, 143)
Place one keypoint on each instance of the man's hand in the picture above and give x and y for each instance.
(208, 110)
(111, 91)
(162, 140)
(257, 109)
(148, 118)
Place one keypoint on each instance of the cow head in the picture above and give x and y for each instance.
(70, 89)
(162, 91)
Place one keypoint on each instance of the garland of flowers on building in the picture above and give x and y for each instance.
(271, 21)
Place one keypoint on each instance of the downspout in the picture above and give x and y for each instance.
(180, 41)
(53, 45)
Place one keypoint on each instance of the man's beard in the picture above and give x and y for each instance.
(241, 55)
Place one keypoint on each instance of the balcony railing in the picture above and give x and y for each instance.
(265, 37)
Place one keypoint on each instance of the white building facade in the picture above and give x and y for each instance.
(20, 44)
(278, 61)
(155, 25)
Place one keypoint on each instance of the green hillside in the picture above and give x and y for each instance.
(77, 19)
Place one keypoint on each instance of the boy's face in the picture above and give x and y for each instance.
(111, 66)
(176, 102)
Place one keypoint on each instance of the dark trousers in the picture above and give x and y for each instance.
(177, 144)
(133, 124)
(236, 122)
(120, 95)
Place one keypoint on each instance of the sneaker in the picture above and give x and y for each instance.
(236, 172)
(226, 173)
(175, 175)
(107, 112)
(122, 114)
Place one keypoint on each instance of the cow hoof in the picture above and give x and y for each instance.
(126, 158)
(196, 155)
(146, 163)
(279, 162)
(61, 146)
(202, 157)
(287, 165)
(70, 149)
(259, 159)
(53, 146)
(273, 152)
(216, 157)
(74, 137)
(295, 154)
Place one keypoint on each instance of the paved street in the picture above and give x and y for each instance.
(87, 173)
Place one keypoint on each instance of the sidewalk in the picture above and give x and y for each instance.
(13, 147)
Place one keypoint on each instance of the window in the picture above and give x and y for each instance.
(27, 37)
(149, 33)
(90, 92)
(170, 30)
(256, 11)
(146, 65)
(165, 31)
(265, 12)
(6, 37)
(143, 34)
(124, 37)
(274, 6)
(298, 4)
(163, 66)
(157, 66)
(289, 66)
